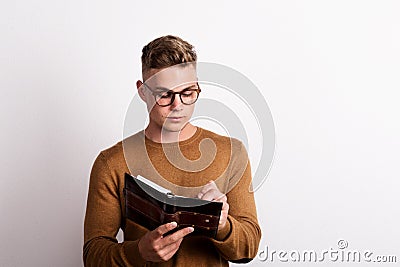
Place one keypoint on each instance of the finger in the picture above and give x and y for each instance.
(175, 237)
(211, 195)
(210, 185)
(169, 250)
(164, 228)
(225, 206)
(169, 254)
(222, 198)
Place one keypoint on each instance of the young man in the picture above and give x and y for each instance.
(189, 160)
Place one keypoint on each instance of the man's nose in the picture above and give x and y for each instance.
(177, 102)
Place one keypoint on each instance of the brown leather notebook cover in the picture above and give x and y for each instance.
(151, 208)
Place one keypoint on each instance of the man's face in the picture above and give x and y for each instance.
(174, 117)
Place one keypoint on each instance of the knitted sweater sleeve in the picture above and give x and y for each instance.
(238, 241)
(103, 220)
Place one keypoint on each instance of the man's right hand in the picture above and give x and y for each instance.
(155, 247)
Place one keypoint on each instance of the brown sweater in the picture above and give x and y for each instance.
(184, 168)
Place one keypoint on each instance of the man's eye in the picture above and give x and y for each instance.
(187, 93)
(165, 95)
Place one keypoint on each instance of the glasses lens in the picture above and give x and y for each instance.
(164, 99)
(189, 96)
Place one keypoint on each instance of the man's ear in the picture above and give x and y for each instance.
(141, 88)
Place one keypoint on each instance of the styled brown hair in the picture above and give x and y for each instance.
(166, 51)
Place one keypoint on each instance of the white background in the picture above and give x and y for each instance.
(329, 71)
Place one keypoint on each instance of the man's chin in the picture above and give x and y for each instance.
(172, 128)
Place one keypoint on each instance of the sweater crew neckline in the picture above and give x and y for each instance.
(188, 141)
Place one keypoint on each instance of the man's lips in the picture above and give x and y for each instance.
(175, 118)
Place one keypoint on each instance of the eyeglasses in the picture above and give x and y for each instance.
(165, 98)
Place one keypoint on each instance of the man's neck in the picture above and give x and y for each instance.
(165, 136)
